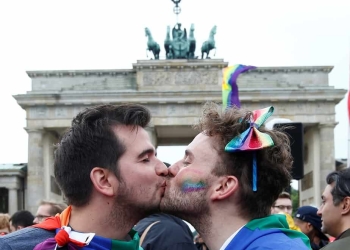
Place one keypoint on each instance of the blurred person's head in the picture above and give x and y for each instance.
(47, 209)
(310, 223)
(335, 207)
(21, 219)
(4, 224)
(283, 204)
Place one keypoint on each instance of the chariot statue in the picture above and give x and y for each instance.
(178, 45)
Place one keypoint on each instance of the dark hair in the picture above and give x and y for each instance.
(341, 189)
(91, 142)
(55, 208)
(22, 218)
(273, 163)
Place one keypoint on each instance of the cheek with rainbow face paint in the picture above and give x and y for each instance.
(189, 186)
(191, 180)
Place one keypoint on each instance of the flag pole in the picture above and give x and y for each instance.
(348, 160)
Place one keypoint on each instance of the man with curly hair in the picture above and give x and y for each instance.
(230, 176)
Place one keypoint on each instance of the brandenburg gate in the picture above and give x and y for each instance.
(174, 90)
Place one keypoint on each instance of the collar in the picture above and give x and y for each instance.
(344, 234)
(65, 236)
(230, 239)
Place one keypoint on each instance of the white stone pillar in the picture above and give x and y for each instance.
(327, 160)
(152, 135)
(35, 174)
(13, 200)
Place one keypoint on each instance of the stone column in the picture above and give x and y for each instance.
(35, 174)
(13, 200)
(152, 135)
(327, 161)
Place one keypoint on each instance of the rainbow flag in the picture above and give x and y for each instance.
(270, 232)
(229, 85)
(72, 240)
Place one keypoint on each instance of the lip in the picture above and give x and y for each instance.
(163, 184)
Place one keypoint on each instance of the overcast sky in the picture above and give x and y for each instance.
(58, 35)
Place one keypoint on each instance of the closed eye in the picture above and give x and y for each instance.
(185, 164)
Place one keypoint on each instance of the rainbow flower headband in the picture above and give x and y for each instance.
(251, 139)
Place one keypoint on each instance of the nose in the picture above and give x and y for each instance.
(174, 169)
(161, 169)
(35, 221)
(319, 212)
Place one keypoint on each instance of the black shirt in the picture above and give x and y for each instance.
(171, 233)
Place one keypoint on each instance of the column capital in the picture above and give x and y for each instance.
(328, 125)
(34, 130)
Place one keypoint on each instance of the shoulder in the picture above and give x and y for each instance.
(279, 241)
(24, 239)
(168, 234)
(172, 229)
(273, 240)
(338, 244)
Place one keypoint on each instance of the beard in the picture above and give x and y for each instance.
(191, 206)
(127, 208)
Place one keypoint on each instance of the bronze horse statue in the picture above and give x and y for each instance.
(209, 44)
(152, 45)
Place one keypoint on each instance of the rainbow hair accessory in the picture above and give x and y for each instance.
(230, 95)
(252, 139)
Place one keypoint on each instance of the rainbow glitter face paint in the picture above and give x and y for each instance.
(190, 186)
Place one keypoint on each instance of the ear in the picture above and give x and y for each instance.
(346, 205)
(309, 227)
(224, 188)
(104, 181)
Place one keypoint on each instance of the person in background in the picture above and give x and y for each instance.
(310, 223)
(229, 178)
(163, 231)
(21, 219)
(282, 204)
(335, 209)
(47, 209)
(4, 224)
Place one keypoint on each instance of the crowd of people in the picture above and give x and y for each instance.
(229, 185)
(23, 218)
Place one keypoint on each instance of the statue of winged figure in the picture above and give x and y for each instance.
(179, 34)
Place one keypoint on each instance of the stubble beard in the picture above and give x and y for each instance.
(191, 207)
(127, 209)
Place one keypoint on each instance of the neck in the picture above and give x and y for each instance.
(216, 230)
(102, 218)
(316, 240)
(344, 225)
